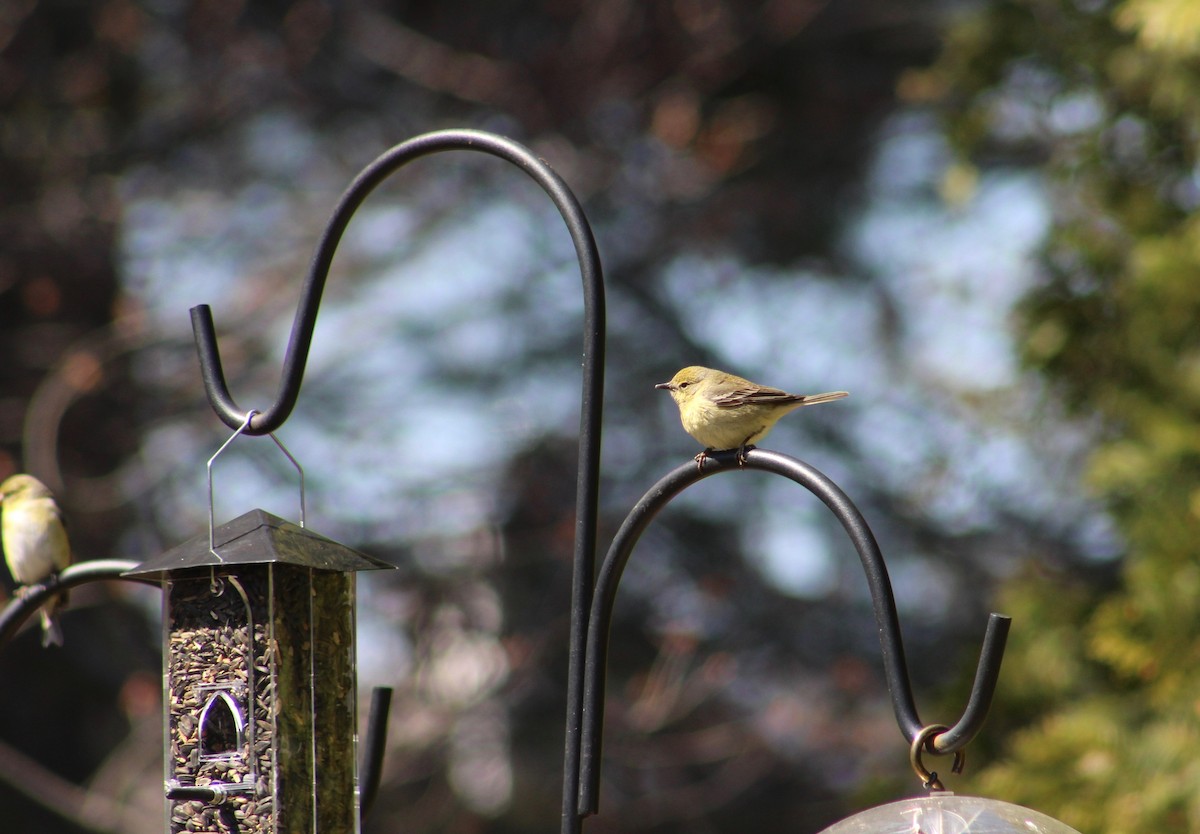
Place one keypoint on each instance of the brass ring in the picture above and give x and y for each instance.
(929, 779)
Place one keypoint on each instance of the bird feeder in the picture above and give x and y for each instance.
(259, 678)
(943, 812)
(947, 813)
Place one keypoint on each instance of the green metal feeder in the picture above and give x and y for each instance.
(259, 678)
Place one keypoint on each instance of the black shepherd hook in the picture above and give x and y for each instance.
(952, 740)
(588, 472)
(33, 597)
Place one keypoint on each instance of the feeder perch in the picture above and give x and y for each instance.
(259, 678)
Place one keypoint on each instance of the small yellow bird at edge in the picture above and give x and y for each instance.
(724, 411)
(35, 542)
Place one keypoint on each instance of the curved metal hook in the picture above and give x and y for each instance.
(588, 470)
(929, 778)
(887, 620)
(33, 597)
(271, 418)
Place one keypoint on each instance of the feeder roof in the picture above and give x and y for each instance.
(258, 538)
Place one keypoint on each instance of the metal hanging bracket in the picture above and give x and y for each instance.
(271, 418)
(937, 739)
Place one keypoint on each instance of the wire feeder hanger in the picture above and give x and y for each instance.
(592, 594)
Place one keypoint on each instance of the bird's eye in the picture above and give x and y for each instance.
(684, 384)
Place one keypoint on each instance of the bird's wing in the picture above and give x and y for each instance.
(64, 557)
(737, 397)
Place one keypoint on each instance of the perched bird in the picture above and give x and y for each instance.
(724, 411)
(35, 542)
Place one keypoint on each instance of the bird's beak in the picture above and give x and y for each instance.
(666, 386)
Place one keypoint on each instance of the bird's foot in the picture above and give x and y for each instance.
(742, 451)
(700, 458)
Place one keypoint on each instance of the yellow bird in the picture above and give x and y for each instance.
(35, 542)
(724, 411)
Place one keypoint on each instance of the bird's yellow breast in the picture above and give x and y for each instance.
(35, 543)
(728, 428)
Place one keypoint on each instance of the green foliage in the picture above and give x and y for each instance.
(1106, 98)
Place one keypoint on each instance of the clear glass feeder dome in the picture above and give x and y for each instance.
(946, 813)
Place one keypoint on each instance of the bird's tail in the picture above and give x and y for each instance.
(51, 631)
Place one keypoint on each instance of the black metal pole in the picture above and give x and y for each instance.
(374, 746)
(591, 404)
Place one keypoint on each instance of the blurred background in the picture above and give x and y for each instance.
(974, 216)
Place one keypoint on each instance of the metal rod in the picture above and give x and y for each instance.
(588, 471)
(375, 744)
(299, 471)
(212, 524)
(883, 601)
(32, 597)
(211, 794)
